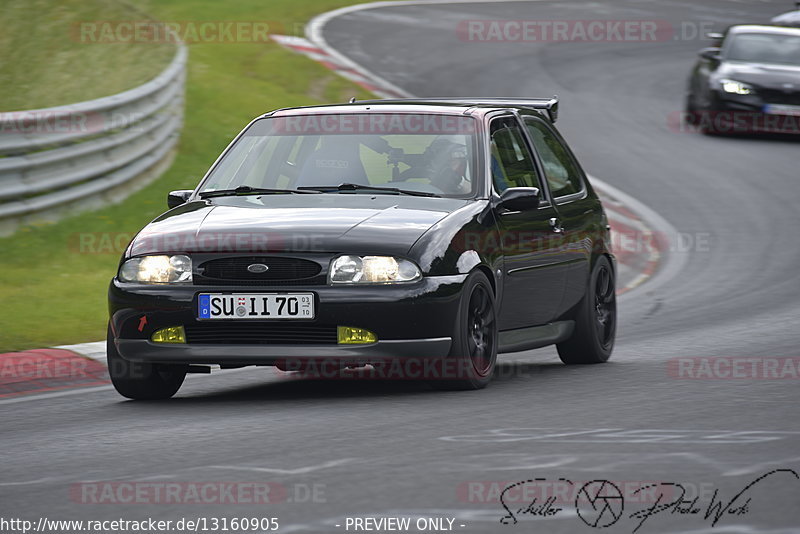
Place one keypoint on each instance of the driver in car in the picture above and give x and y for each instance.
(451, 175)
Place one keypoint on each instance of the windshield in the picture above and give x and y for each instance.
(765, 48)
(428, 153)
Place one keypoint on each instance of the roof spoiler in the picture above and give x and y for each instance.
(550, 105)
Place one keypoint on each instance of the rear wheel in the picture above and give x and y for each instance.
(595, 319)
(473, 355)
(142, 381)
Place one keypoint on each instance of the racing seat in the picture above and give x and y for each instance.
(337, 161)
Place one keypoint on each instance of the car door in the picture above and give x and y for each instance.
(576, 212)
(533, 280)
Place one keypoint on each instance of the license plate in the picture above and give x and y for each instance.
(255, 306)
(780, 109)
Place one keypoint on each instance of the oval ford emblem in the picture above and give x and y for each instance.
(257, 268)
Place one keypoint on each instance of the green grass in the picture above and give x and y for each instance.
(53, 291)
(44, 61)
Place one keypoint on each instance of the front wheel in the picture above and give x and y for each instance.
(142, 381)
(473, 355)
(691, 115)
(595, 319)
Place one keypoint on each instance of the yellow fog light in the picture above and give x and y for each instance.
(172, 334)
(354, 336)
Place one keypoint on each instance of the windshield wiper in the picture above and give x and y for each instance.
(359, 187)
(248, 190)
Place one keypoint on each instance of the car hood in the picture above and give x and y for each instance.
(770, 76)
(357, 223)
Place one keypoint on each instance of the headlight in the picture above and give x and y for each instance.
(372, 270)
(737, 88)
(157, 270)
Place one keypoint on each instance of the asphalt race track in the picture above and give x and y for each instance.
(730, 289)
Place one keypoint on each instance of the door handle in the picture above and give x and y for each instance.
(555, 225)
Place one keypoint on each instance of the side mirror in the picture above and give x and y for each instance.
(711, 54)
(520, 198)
(176, 198)
(713, 36)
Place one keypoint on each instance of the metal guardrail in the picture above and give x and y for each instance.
(59, 159)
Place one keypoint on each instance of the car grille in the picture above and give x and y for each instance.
(251, 333)
(779, 96)
(282, 271)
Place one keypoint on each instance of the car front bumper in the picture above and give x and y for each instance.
(748, 114)
(411, 321)
(283, 355)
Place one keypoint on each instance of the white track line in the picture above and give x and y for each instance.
(55, 394)
(96, 350)
(671, 263)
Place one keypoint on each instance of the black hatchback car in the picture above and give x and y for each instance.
(416, 239)
(749, 84)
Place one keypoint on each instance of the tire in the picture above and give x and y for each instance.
(595, 320)
(691, 116)
(142, 381)
(473, 354)
(702, 119)
(706, 122)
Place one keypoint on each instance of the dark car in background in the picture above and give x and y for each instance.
(749, 84)
(420, 236)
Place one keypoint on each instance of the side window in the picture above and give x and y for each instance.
(511, 161)
(562, 173)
